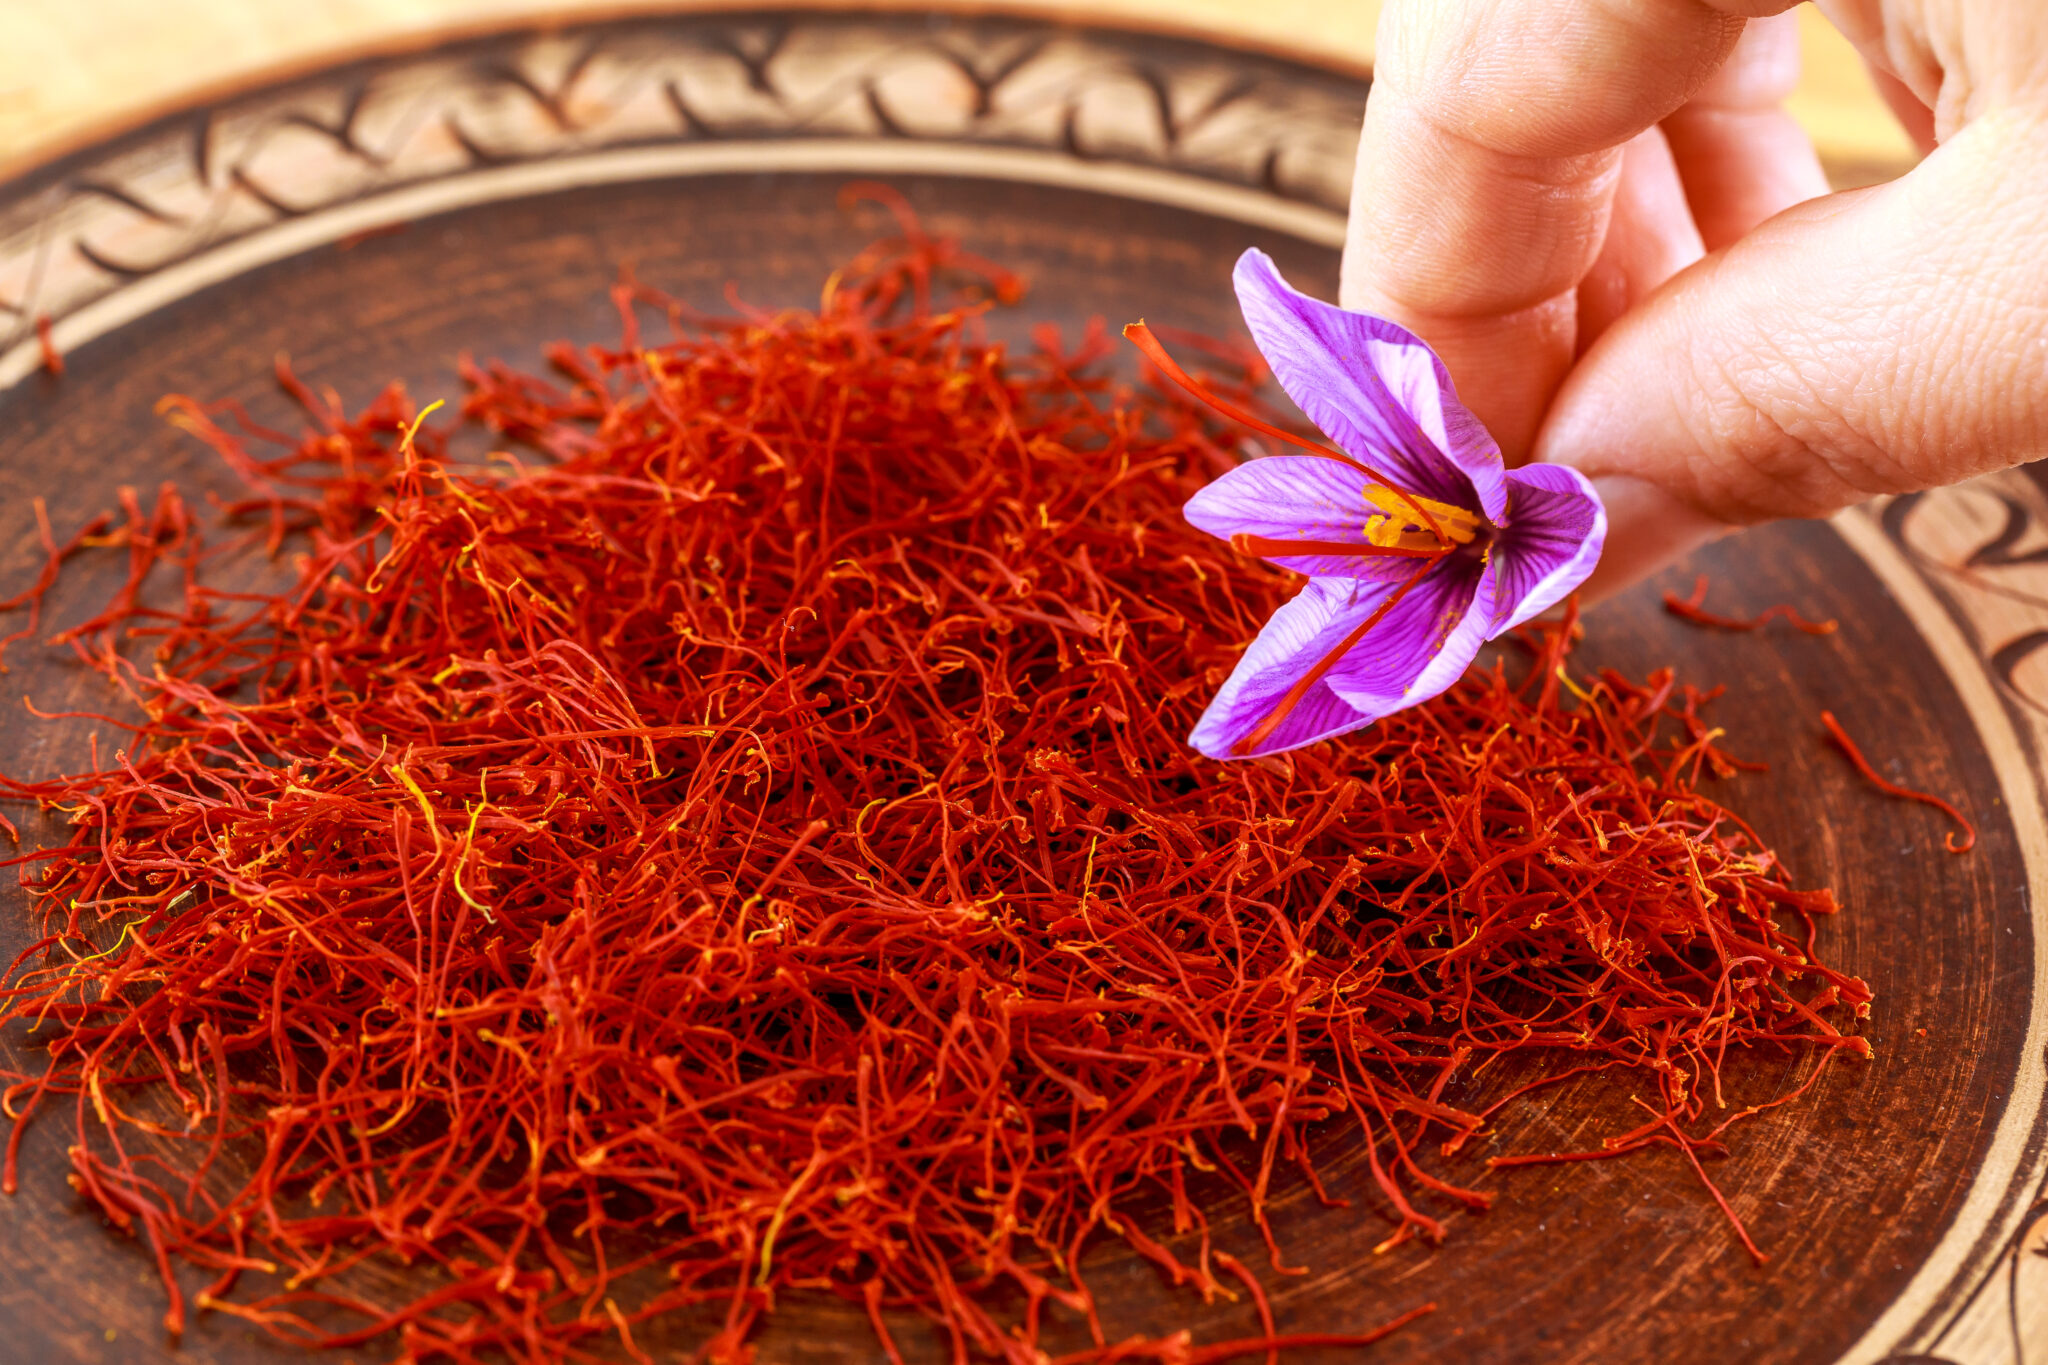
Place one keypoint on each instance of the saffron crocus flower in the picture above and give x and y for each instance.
(1418, 543)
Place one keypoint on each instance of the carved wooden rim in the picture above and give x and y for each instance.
(1966, 566)
(100, 238)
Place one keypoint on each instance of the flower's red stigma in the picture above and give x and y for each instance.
(1141, 336)
(1285, 706)
(1272, 547)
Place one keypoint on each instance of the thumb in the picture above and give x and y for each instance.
(1881, 341)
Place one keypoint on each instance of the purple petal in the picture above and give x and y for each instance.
(1424, 644)
(1375, 389)
(1415, 651)
(1300, 633)
(1556, 527)
(1296, 497)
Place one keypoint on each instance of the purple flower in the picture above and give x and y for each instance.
(1419, 544)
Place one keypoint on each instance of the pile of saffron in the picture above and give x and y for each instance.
(740, 840)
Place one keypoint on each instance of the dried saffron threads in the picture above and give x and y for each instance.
(1694, 609)
(745, 844)
(51, 359)
(1890, 788)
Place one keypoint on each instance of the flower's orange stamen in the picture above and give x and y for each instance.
(1269, 547)
(1141, 336)
(1300, 689)
(1388, 523)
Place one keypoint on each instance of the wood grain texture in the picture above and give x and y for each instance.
(1927, 1156)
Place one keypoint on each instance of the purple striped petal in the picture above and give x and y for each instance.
(1421, 646)
(1556, 527)
(1425, 643)
(1375, 389)
(1296, 497)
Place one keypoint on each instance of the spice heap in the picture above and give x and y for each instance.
(750, 846)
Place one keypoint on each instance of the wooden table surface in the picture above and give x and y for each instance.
(71, 71)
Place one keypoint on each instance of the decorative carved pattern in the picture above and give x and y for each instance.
(85, 227)
(1983, 548)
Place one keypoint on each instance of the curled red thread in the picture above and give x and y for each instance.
(46, 345)
(1692, 609)
(1889, 788)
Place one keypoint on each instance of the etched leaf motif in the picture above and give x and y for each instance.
(200, 181)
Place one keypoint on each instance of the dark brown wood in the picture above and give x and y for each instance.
(1622, 1261)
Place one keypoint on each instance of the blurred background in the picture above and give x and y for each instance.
(71, 70)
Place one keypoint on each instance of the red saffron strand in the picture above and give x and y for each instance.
(1692, 609)
(1141, 336)
(1889, 788)
(1269, 547)
(46, 344)
(1292, 698)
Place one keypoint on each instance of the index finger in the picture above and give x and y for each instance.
(1488, 164)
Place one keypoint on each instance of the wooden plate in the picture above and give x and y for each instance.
(1902, 1206)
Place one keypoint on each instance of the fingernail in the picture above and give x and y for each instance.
(1647, 530)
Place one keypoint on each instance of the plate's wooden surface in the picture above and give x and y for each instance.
(1886, 1201)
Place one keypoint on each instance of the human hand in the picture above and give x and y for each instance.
(1599, 216)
